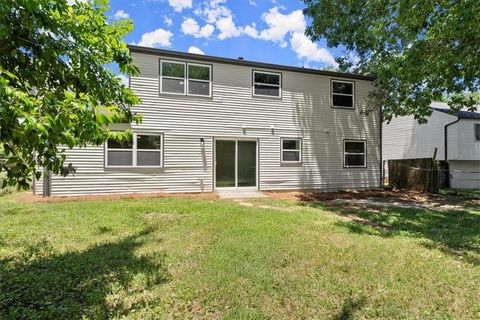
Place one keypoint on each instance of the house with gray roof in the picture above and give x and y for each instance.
(212, 123)
(455, 135)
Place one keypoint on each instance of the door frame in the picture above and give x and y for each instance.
(257, 162)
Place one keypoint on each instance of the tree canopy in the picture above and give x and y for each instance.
(419, 51)
(55, 89)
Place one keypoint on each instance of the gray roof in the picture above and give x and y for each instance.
(460, 114)
(246, 63)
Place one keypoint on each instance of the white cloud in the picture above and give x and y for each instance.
(227, 28)
(179, 5)
(156, 38)
(168, 21)
(120, 14)
(280, 24)
(195, 50)
(123, 79)
(191, 27)
(251, 30)
(252, 2)
(215, 12)
(308, 50)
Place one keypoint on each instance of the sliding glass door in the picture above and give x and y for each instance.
(236, 163)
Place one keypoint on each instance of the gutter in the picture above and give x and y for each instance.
(445, 136)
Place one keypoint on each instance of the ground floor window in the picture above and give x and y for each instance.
(291, 150)
(141, 150)
(354, 153)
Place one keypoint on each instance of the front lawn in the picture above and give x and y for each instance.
(153, 258)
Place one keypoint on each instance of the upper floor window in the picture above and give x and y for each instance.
(185, 78)
(141, 150)
(291, 150)
(343, 94)
(477, 131)
(267, 84)
(355, 153)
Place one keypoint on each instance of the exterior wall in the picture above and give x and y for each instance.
(462, 145)
(404, 138)
(465, 174)
(303, 111)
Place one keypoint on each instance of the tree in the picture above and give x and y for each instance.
(55, 89)
(419, 51)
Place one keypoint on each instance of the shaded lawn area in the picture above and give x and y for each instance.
(177, 258)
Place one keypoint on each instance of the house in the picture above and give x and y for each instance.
(211, 123)
(455, 135)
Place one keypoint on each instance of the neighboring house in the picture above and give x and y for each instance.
(211, 123)
(456, 135)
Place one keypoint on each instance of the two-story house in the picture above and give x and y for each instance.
(212, 123)
(455, 135)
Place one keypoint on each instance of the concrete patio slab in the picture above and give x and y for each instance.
(240, 194)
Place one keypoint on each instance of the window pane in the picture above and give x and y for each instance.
(341, 87)
(267, 78)
(291, 144)
(267, 90)
(198, 72)
(171, 69)
(173, 85)
(354, 147)
(120, 158)
(148, 158)
(123, 144)
(291, 156)
(198, 87)
(477, 131)
(149, 142)
(355, 160)
(342, 101)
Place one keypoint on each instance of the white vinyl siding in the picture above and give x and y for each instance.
(303, 112)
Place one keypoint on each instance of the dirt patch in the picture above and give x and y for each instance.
(31, 198)
(399, 196)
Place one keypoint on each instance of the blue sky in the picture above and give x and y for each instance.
(259, 30)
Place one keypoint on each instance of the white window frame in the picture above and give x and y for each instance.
(279, 86)
(475, 131)
(364, 153)
(175, 78)
(134, 151)
(299, 150)
(186, 78)
(204, 81)
(343, 94)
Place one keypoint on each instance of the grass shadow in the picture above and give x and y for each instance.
(42, 285)
(455, 232)
(349, 307)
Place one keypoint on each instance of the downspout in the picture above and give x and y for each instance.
(445, 136)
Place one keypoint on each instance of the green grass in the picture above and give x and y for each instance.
(465, 193)
(184, 258)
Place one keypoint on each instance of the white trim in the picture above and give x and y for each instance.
(257, 157)
(343, 94)
(200, 80)
(279, 86)
(297, 150)
(176, 78)
(364, 153)
(186, 78)
(134, 150)
(475, 124)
